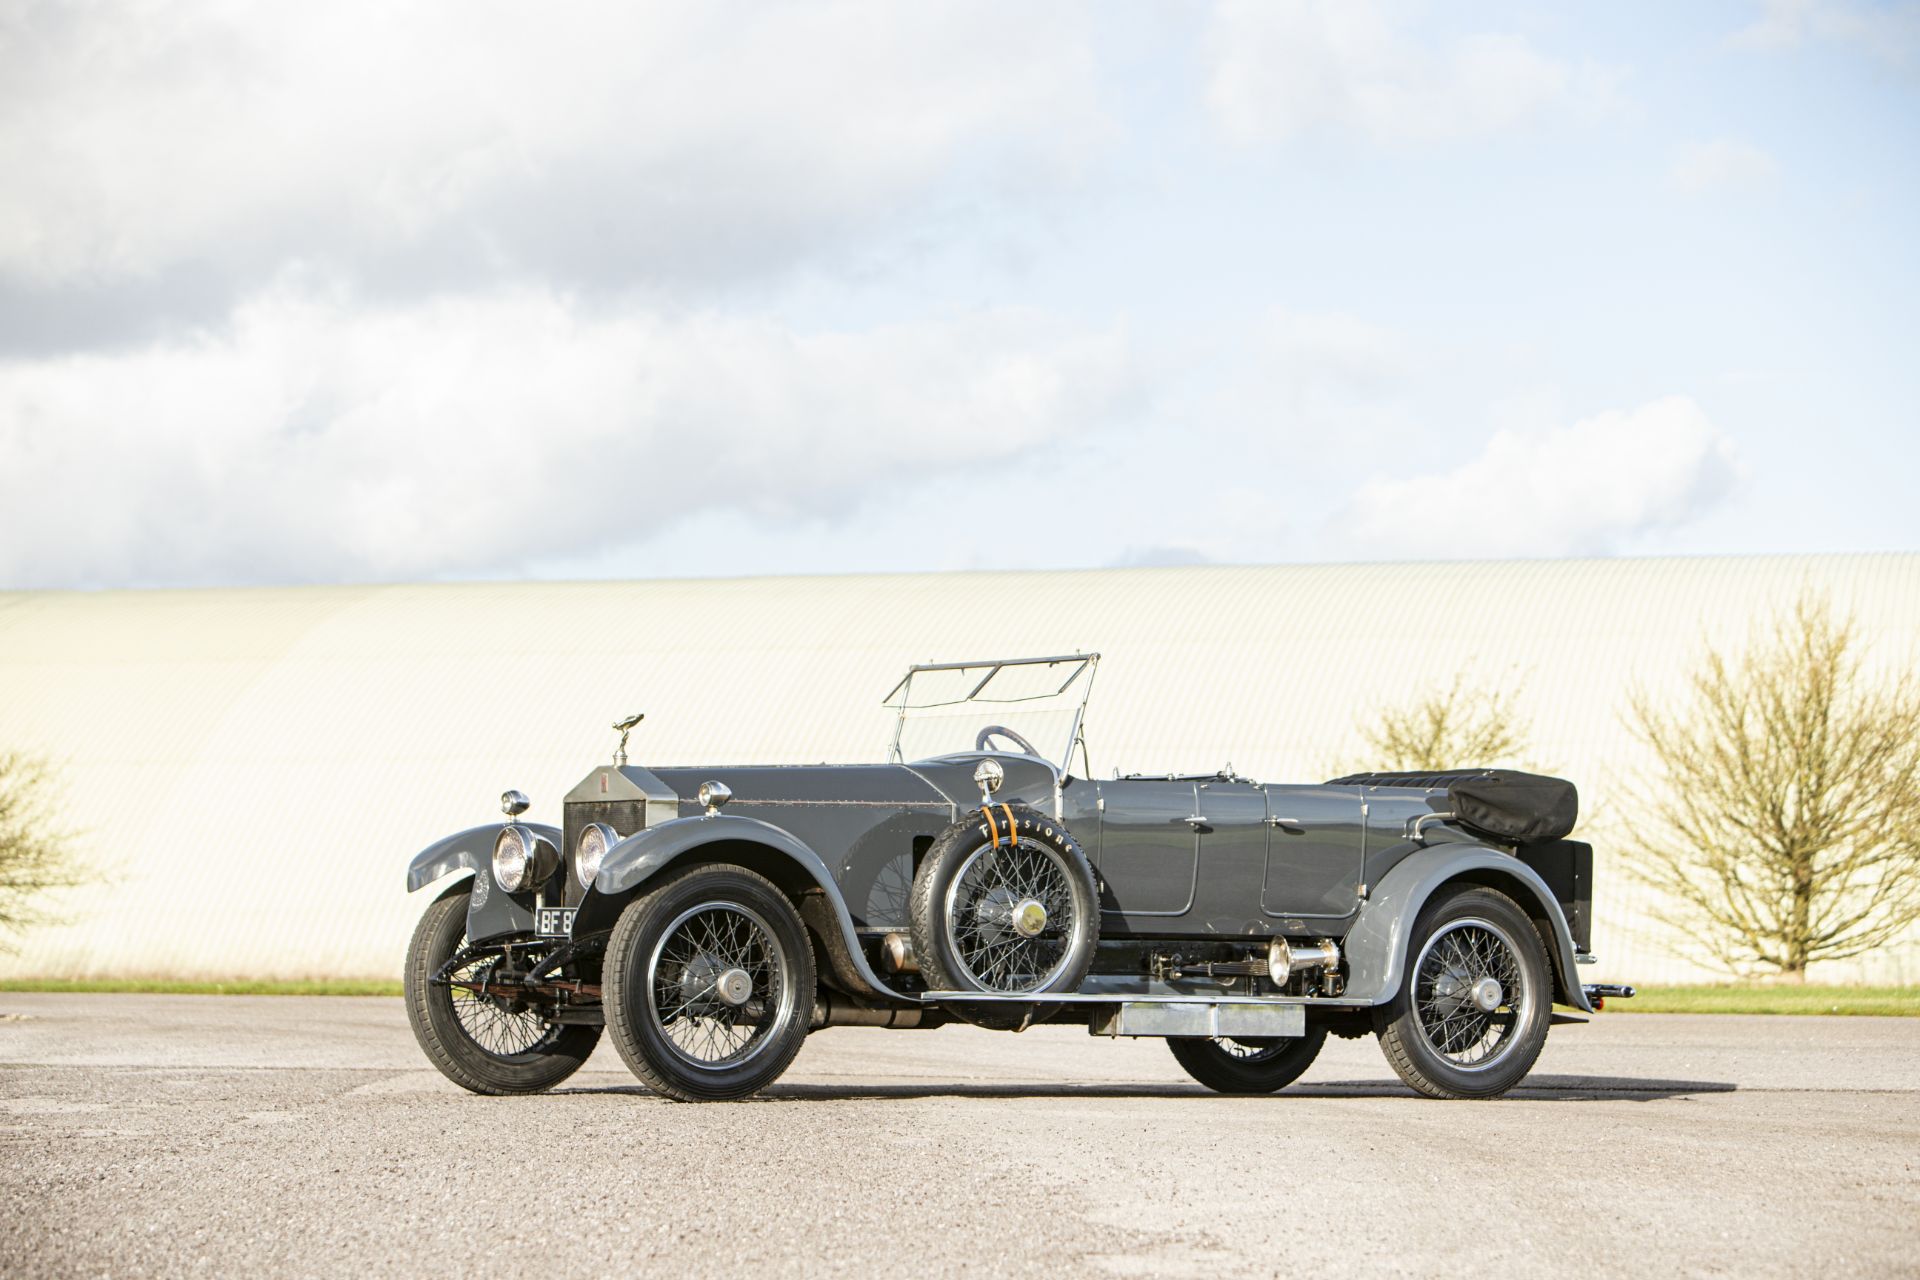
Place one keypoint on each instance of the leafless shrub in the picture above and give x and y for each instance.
(36, 853)
(1782, 823)
(1464, 725)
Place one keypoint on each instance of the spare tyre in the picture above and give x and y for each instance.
(1004, 903)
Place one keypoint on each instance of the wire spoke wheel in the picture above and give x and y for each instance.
(1260, 1065)
(1005, 905)
(709, 983)
(1250, 1050)
(715, 984)
(477, 1024)
(1470, 993)
(496, 1024)
(1010, 916)
(1472, 1010)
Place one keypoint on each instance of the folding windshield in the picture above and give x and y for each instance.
(1031, 706)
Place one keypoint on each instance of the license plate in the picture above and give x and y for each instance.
(553, 922)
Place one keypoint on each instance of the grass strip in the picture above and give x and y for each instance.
(1775, 998)
(169, 987)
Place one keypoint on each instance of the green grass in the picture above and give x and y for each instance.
(164, 986)
(1877, 1001)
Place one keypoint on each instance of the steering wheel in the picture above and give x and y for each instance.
(1000, 730)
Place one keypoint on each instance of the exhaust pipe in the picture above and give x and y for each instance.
(1598, 993)
(1284, 959)
(831, 1009)
(896, 954)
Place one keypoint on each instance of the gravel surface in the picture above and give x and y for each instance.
(190, 1135)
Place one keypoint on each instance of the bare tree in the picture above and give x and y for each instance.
(1783, 821)
(36, 854)
(1459, 727)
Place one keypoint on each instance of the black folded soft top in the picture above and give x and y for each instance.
(1505, 804)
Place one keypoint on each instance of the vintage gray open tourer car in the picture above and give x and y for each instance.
(713, 916)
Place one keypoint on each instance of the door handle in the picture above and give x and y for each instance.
(1196, 821)
(1290, 823)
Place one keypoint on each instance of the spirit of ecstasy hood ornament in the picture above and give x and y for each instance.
(624, 728)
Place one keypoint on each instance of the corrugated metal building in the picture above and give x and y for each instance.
(253, 768)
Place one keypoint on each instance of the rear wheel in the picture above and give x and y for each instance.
(1472, 1013)
(1230, 1065)
(483, 1040)
(709, 984)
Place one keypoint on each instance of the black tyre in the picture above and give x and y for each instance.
(482, 1042)
(1228, 1065)
(709, 984)
(1472, 1012)
(1016, 916)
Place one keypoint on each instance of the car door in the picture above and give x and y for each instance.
(1316, 842)
(1230, 817)
(1148, 849)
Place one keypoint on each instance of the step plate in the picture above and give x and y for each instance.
(1200, 1018)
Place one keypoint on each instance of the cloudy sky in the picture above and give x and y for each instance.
(367, 292)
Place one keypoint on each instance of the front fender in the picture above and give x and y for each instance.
(637, 859)
(1377, 944)
(491, 912)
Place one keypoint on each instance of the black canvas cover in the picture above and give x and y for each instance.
(1509, 806)
(1520, 808)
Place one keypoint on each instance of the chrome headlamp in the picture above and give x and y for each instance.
(521, 859)
(988, 775)
(713, 797)
(591, 850)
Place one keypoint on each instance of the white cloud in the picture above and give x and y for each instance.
(1279, 69)
(1591, 488)
(1889, 32)
(1722, 164)
(321, 440)
(1331, 351)
(605, 144)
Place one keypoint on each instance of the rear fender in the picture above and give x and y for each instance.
(1378, 943)
(631, 865)
(491, 912)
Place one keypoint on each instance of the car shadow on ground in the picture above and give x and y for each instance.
(1542, 1088)
(1535, 1089)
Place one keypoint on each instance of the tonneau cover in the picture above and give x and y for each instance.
(1510, 806)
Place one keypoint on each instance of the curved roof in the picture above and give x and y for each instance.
(255, 767)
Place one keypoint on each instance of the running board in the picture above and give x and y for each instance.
(1125, 997)
(1208, 1017)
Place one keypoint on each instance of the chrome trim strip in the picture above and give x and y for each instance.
(991, 662)
(854, 804)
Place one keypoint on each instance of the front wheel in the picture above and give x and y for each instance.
(1228, 1065)
(479, 1034)
(709, 984)
(1472, 1013)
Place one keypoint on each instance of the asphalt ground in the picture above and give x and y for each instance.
(225, 1135)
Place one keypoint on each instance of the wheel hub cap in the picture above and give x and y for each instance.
(1487, 994)
(733, 987)
(1029, 918)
